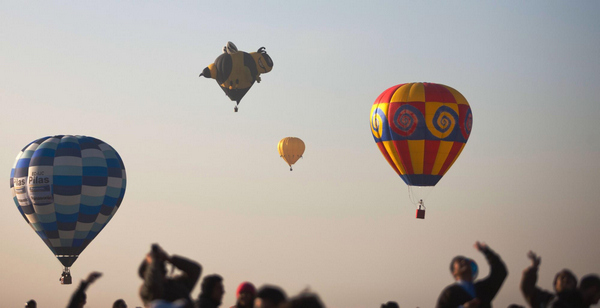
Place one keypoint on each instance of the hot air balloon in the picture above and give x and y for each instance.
(291, 149)
(421, 128)
(68, 188)
(236, 71)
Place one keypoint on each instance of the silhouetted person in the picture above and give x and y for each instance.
(158, 287)
(269, 297)
(390, 305)
(245, 294)
(564, 282)
(586, 295)
(120, 303)
(304, 300)
(469, 293)
(79, 298)
(590, 289)
(31, 304)
(211, 292)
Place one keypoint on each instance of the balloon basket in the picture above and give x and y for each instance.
(420, 214)
(65, 277)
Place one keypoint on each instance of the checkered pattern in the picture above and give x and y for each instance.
(68, 188)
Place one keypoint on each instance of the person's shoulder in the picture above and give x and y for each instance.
(205, 303)
(450, 296)
(453, 286)
(451, 290)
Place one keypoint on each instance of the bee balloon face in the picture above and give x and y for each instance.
(264, 63)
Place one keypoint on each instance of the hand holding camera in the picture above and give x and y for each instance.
(158, 254)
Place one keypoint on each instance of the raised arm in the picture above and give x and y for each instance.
(191, 270)
(79, 296)
(490, 286)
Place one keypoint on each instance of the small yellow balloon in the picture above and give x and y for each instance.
(291, 149)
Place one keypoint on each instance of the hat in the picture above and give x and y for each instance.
(474, 269)
(245, 287)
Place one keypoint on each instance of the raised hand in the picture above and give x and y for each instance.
(535, 259)
(480, 246)
(93, 276)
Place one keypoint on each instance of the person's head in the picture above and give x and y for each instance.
(120, 303)
(589, 287)
(144, 266)
(269, 297)
(212, 288)
(463, 268)
(304, 300)
(245, 294)
(31, 304)
(390, 305)
(564, 280)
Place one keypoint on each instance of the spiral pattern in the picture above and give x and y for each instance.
(468, 123)
(444, 121)
(377, 120)
(405, 120)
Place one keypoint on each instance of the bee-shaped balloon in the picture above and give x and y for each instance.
(236, 71)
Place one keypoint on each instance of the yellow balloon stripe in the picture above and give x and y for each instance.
(442, 154)
(417, 92)
(417, 153)
(391, 150)
(412, 92)
(462, 146)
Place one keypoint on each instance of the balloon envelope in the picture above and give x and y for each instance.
(291, 149)
(68, 188)
(421, 128)
(236, 71)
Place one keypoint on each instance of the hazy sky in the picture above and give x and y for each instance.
(208, 183)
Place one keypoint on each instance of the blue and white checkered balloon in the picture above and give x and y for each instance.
(68, 188)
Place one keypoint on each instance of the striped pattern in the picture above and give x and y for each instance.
(421, 128)
(68, 188)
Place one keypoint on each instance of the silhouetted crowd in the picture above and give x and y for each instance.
(161, 290)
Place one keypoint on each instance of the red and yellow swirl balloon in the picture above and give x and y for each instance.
(421, 128)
